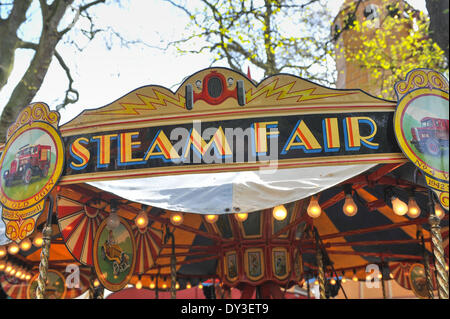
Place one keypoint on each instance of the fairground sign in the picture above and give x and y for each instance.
(421, 127)
(218, 120)
(30, 166)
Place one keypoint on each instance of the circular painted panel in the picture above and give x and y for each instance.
(30, 165)
(114, 255)
(418, 281)
(55, 289)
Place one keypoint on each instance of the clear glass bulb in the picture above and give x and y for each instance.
(400, 208)
(25, 244)
(139, 284)
(314, 209)
(176, 219)
(211, 218)
(279, 212)
(141, 220)
(438, 210)
(350, 208)
(113, 221)
(413, 208)
(13, 249)
(241, 216)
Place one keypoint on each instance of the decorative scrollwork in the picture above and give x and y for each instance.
(17, 231)
(421, 78)
(31, 113)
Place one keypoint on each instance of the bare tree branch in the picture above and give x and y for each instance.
(70, 92)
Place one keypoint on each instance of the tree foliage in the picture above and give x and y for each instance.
(389, 44)
(273, 35)
(57, 20)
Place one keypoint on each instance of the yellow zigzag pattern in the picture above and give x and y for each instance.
(148, 103)
(284, 92)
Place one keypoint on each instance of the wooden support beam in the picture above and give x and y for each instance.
(289, 226)
(376, 228)
(362, 181)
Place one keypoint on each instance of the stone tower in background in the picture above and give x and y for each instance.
(372, 13)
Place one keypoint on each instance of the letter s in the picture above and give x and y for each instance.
(80, 153)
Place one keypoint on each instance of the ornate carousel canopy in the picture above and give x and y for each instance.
(259, 186)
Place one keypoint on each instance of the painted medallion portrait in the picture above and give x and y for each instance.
(280, 263)
(55, 288)
(254, 263)
(28, 164)
(418, 281)
(425, 130)
(114, 255)
(421, 127)
(232, 271)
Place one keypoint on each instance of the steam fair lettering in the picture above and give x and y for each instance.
(345, 135)
(20, 205)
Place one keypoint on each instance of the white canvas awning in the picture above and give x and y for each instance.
(230, 192)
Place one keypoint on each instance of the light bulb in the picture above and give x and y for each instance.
(177, 286)
(350, 208)
(333, 281)
(164, 286)
(13, 249)
(8, 268)
(188, 286)
(176, 218)
(355, 279)
(316, 282)
(279, 212)
(2, 265)
(211, 218)
(96, 283)
(413, 208)
(141, 220)
(37, 241)
(344, 280)
(314, 209)
(152, 285)
(200, 286)
(400, 208)
(2, 251)
(28, 277)
(113, 221)
(138, 284)
(25, 244)
(438, 210)
(241, 216)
